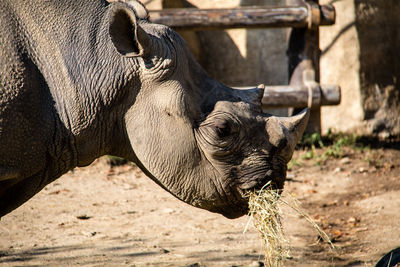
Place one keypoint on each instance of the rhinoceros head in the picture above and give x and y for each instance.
(202, 141)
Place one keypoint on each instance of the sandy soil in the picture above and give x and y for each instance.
(103, 216)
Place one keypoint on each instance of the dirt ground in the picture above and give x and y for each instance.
(103, 216)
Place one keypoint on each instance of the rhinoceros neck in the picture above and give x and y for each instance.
(68, 41)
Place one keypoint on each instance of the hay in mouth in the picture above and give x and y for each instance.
(266, 213)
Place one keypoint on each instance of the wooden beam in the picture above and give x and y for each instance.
(300, 96)
(245, 17)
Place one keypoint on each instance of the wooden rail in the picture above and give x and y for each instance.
(301, 96)
(245, 17)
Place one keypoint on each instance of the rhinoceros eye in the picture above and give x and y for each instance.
(220, 133)
(222, 128)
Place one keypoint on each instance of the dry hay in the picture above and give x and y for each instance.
(266, 213)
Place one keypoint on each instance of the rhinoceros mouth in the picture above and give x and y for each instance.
(239, 207)
(275, 175)
(235, 197)
(276, 182)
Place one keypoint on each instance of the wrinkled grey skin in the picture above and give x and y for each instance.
(80, 79)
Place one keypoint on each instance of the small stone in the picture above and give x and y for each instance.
(256, 264)
(345, 160)
(89, 233)
(351, 220)
(83, 217)
(362, 170)
(337, 170)
(168, 210)
(290, 176)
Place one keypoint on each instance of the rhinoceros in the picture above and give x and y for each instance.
(85, 78)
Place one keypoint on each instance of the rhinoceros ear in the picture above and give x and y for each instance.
(128, 37)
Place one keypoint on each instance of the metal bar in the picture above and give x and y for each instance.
(245, 17)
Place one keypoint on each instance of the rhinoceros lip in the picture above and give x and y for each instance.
(258, 182)
(256, 185)
(249, 185)
(241, 207)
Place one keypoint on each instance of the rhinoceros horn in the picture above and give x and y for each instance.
(251, 96)
(287, 128)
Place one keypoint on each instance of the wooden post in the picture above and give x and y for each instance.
(304, 54)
